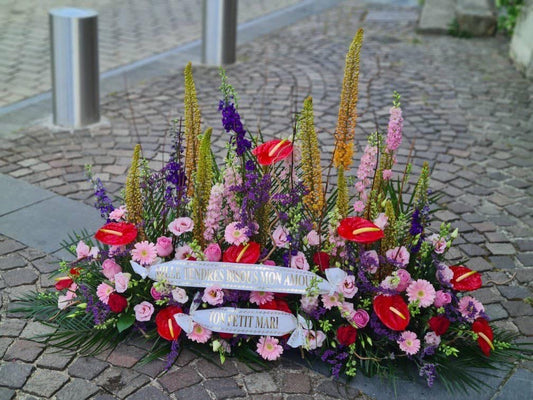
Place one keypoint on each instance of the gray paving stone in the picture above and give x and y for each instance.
(120, 382)
(224, 388)
(504, 262)
(20, 276)
(53, 358)
(518, 308)
(296, 383)
(260, 383)
(149, 393)
(12, 327)
(87, 368)
(196, 392)
(501, 248)
(7, 394)
(526, 259)
(10, 246)
(24, 350)
(12, 261)
(14, 374)
(478, 264)
(213, 368)
(514, 292)
(496, 312)
(45, 382)
(520, 384)
(18, 194)
(525, 325)
(180, 379)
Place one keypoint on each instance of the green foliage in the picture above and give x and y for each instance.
(509, 11)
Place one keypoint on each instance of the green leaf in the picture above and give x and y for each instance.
(125, 321)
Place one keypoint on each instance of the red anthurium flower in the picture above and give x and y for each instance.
(464, 279)
(116, 233)
(346, 335)
(276, 304)
(270, 152)
(244, 253)
(63, 282)
(392, 311)
(321, 259)
(360, 230)
(117, 303)
(75, 271)
(439, 324)
(485, 335)
(167, 327)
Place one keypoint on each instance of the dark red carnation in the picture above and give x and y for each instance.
(75, 271)
(392, 311)
(485, 336)
(321, 259)
(360, 230)
(464, 279)
(276, 304)
(225, 336)
(273, 151)
(167, 327)
(117, 303)
(439, 324)
(244, 253)
(116, 233)
(63, 282)
(346, 335)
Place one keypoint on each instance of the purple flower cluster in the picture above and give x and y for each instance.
(417, 226)
(99, 310)
(231, 120)
(255, 192)
(429, 372)
(381, 330)
(103, 202)
(173, 354)
(336, 358)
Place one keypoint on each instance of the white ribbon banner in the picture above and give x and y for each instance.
(247, 321)
(256, 277)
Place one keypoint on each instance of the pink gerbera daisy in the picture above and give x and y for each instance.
(330, 301)
(422, 291)
(199, 334)
(103, 291)
(234, 235)
(144, 252)
(261, 298)
(409, 342)
(269, 348)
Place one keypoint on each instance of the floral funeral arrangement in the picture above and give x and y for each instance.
(261, 254)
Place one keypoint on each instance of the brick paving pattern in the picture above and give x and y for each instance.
(129, 30)
(466, 109)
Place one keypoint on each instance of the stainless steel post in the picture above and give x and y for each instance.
(75, 72)
(219, 32)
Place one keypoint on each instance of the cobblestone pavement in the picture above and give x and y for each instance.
(129, 30)
(466, 109)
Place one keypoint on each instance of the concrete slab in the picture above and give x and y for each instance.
(437, 15)
(476, 17)
(17, 194)
(519, 386)
(521, 50)
(45, 224)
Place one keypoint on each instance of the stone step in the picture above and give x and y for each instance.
(471, 17)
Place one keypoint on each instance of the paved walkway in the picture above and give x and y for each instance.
(129, 30)
(466, 108)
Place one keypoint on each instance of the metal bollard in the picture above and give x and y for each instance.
(75, 72)
(219, 32)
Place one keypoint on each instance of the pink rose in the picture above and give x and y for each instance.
(183, 252)
(117, 214)
(110, 268)
(280, 236)
(213, 252)
(155, 294)
(309, 303)
(348, 287)
(181, 225)
(121, 282)
(213, 295)
(442, 298)
(312, 238)
(405, 280)
(143, 311)
(180, 295)
(381, 221)
(360, 318)
(299, 262)
(84, 251)
(164, 246)
(398, 255)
